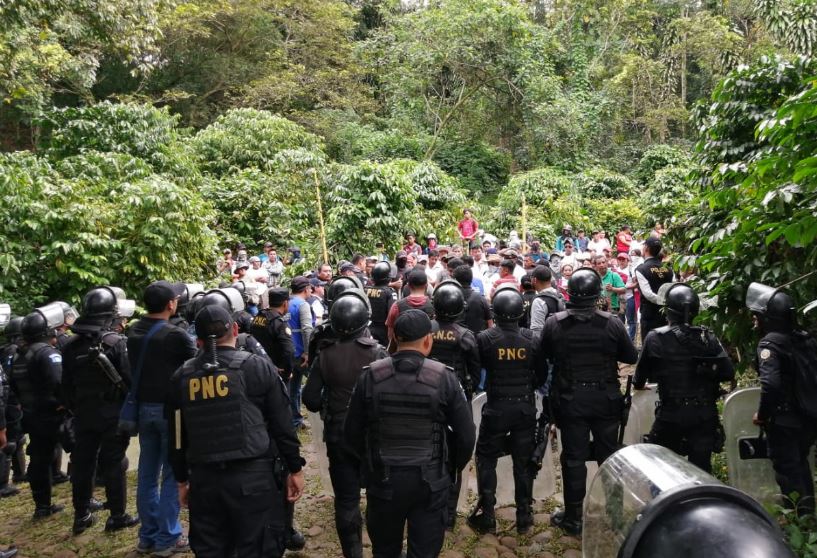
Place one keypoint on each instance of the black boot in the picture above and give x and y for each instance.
(524, 519)
(569, 520)
(82, 524)
(119, 522)
(293, 539)
(47, 511)
(482, 519)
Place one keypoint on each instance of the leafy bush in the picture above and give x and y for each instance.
(248, 138)
(138, 130)
(480, 167)
(668, 197)
(599, 183)
(609, 215)
(658, 157)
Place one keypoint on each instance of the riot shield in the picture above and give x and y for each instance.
(319, 447)
(642, 415)
(753, 475)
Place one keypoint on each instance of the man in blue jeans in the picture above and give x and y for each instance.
(301, 324)
(155, 350)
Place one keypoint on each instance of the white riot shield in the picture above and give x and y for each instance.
(319, 447)
(753, 476)
(642, 415)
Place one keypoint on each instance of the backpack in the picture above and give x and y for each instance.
(801, 352)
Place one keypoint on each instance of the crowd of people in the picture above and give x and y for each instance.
(389, 351)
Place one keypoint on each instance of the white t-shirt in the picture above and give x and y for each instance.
(598, 246)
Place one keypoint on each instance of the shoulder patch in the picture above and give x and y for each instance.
(765, 353)
(289, 331)
(56, 358)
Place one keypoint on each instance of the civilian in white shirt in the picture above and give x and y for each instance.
(597, 243)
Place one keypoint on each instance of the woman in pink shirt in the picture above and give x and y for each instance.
(468, 227)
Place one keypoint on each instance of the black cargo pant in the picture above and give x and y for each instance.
(690, 431)
(44, 433)
(236, 509)
(344, 471)
(99, 437)
(506, 425)
(578, 413)
(789, 449)
(407, 497)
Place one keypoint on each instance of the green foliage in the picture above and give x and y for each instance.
(596, 183)
(137, 130)
(480, 167)
(756, 218)
(669, 196)
(657, 157)
(800, 531)
(248, 138)
(610, 215)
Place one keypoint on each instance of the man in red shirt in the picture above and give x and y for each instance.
(468, 227)
(417, 299)
(411, 246)
(623, 240)
(505, 276)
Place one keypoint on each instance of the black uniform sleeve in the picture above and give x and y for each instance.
(278, 331)
(458, 417)
(647, 362)
(472, 360)
(279, 421)
(176, 442)
(121, 362)
(312, 394)
(770, 370)
(51, 361)
(627, 353)
(354, 427)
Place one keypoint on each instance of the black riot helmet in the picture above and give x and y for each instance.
(774, 308)
(241, 288)
(228, 298)
(681, 302)
(193, 307)
(99, 302)
(35, 327)
(340, 285)
(584, 288)
(381, 272)
(449, 302)
(508, 305)
(350, 313)
(14, 329)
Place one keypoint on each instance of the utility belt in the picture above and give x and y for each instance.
(519, 399)
(593, 386)
(693, 401)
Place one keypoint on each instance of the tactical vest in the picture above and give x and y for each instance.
(322, 337)
(90, 381)
(30, 391)
(341, 365)
(403, 430)
(585, 350)
(221, 423)
(179, 321)
(447, 348)
(261, 325)
(427, 307)
(508, 359)
(679, 382)
(527, 298)
(379, 298)
(656, 273)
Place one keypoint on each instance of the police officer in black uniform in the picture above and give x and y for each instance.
(456, 347)
(508, 354)
(332, 378)
(584, 346)
(397, 421)
(788, 414)
(245, 340)
(230, 430)
(96, 377)
(179, 319)
(35, 379)
(323, 335)
(15, 453)
(270, 328)
(10, 434)
(650, 275)
(381, 297)
(688, 362)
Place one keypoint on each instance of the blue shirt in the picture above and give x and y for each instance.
(476, 284)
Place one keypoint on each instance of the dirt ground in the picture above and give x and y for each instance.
(51, 537)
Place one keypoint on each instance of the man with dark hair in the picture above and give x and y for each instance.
(417, 298)
(650, 276)
(301, 323)
(506, 276)
(477, 315)
(155, 350)
(397, 420)
(547, 302)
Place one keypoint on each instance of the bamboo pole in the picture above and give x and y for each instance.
(320, 216)
(524, 225)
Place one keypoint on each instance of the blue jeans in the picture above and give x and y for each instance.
(158, 510)
(295, 386)
(632, 324)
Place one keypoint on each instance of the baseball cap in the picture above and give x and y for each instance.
(277, 296)
(346, 267)
(255, 259)
(213, 321)
(242, 265)
(159, 293)
(298, 284)
(315, 282)
(412, 325)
